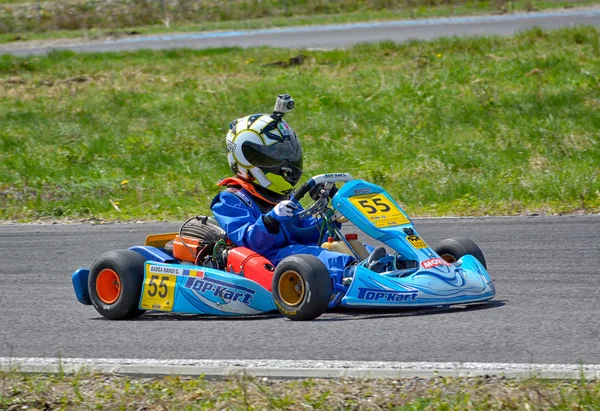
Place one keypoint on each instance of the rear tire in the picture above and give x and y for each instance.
(115, 284)
(301, 287)
(452, 249)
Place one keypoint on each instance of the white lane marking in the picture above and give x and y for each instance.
(298, 369)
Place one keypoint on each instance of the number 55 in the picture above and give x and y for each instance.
(378, 201)
(163, 286)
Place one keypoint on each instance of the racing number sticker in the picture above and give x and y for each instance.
(158, 291)
(379, 210)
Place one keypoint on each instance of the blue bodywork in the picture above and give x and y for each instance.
(195, 289)
(171, 286)
(431, 282)
(202, 290)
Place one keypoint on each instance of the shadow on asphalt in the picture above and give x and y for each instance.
(339, 314)
(158, 316)
(354, 314)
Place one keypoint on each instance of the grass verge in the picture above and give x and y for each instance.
(47, 20)
(463, 126)
(113, 392)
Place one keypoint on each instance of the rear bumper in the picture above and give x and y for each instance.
(80, 284)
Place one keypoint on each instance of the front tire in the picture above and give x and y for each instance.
(301, 287)
(452, 249)
(115, 284)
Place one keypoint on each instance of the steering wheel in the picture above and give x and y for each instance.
(320, 202)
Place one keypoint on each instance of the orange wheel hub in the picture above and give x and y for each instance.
(108, 286)
(291, 288)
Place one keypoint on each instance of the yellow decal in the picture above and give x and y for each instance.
(195, 273)
(416, 241)
(284, 311)
(159, 290)
(159, 240)
(381, 211)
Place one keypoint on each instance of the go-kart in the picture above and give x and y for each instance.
(198, 271)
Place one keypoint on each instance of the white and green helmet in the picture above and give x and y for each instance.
(266, 152)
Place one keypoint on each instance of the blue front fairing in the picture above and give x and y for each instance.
(464, 282)
(433, 281)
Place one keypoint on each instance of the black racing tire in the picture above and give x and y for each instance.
(115, 284)
(302, 287)
(452, 249)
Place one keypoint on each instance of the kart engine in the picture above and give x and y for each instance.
(205, 244)
(201, 243)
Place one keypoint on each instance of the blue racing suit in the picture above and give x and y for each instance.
(238, 213)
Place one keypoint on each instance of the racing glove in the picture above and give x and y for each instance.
(283, 211)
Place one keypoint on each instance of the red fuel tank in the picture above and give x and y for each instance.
(247, 263)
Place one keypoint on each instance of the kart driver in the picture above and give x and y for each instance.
(265, 155)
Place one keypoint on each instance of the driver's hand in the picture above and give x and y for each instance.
(284, 211)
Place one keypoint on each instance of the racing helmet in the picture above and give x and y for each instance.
(265, 151)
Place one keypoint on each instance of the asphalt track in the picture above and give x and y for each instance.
(547, 308)
(328, 36)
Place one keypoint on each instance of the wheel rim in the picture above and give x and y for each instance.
(291, 288)
(108, 286)
(448, 258)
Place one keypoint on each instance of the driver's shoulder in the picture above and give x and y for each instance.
(234, 197)
(240, 194)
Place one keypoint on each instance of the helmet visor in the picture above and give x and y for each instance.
(282, 158)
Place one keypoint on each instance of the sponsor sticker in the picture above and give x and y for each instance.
(434, 262)
(194, 273)
(284, 128)
(220, 289)
(390, 296)
(159, 269)
(241, 195)
(244, 196)
(360, 191)
(416, 241)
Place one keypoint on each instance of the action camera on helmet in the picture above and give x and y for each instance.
(284, 104)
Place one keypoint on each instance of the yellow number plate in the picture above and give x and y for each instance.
(159, 290)
(379, 210)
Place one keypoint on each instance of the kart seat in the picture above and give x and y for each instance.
(376, 260)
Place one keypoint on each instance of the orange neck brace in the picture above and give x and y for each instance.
(235, 181)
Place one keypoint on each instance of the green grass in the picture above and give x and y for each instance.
(474, 126)
(113, 392)
(82, 20)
